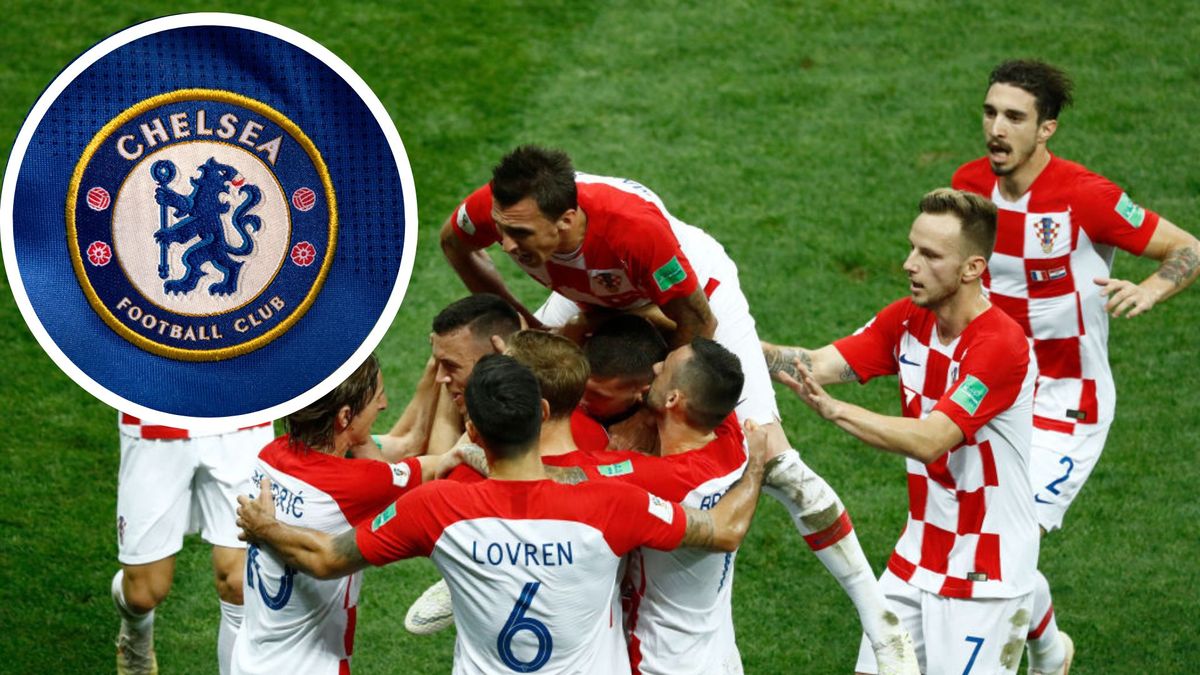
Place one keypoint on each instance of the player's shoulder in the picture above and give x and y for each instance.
(614, 204)
(996, 328)
(975, 176)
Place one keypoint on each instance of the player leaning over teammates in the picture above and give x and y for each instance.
(531, 563)
(609, 244)
(962, 575)
(1059, 227)
(294, 622)
(173, 481)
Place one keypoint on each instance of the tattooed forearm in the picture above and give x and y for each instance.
(700, 530)
(783, 359)
(345, 551)
(848, 374)
(473, 457)
(570, 475)
(1179, 266)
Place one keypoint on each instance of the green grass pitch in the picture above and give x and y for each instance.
(801, 134)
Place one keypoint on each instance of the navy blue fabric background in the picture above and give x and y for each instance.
(366, 182)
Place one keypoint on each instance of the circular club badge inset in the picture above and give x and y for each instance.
(240, 220)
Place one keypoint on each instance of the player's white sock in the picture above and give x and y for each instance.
(135, 624)
(819, 515)
(1046, 650)
(231, 621)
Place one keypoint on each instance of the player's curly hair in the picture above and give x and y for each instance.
(531, 171)
(312, 425)
(1050, 86)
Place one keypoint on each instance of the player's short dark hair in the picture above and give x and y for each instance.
(484, 314)
(541, 173)
(712, 381)
(625, 346)
(1050, 86)
(557, 363)
(976, 215)
(504, 403)
(312, 425)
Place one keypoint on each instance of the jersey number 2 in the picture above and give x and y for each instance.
(517, 621)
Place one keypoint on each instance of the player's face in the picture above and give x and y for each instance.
(526, 235)
(935, 264)
(609, 397)
(664, 374)
(456, 354)
(1010, 127)
(360, 425)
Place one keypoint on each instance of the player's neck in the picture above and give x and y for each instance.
(527, 466)
(1017, 183)
(556, 438)
(959, 311)
(676, 436)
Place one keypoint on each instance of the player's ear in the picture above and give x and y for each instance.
(342, 419)
(545, 410)
(973, 268)
(1046, 130)
(472, 433)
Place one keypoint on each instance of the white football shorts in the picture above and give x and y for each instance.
(1059, 465)
(169, 488)
(955, 636)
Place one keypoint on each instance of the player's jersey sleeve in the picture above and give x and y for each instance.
(871, 351)
(407, 528)
(378, 483)
(989, 381)
(1109, 215)
(653, 257)
(472, 220)
(976, 177)
(643, 519)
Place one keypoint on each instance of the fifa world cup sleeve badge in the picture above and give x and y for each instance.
(236, 217)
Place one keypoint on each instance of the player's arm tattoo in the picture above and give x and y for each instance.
(1179, 266)
(473, 457)
(782, 359)
(346, 553)
(700, 531)
(570, 475)
(848, 374)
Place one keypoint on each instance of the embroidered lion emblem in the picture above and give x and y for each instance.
(199, 217)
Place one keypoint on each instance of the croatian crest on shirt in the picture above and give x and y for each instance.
(201, 223)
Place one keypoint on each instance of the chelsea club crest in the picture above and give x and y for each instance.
(201, 223)
(208, 220)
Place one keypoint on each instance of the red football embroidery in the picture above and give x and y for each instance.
(98, 199)
(304, 199)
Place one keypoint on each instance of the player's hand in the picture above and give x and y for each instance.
(255, 515)
(498, 344)
(1125, 297)
(764, 440)
(809, 391)
(448, 461)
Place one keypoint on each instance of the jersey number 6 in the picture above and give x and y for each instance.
(517, 621)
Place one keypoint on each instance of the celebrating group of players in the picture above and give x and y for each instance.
(583, 484)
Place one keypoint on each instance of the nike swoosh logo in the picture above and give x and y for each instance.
(907, 362)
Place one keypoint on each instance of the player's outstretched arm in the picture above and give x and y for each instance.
(723, 527)
(692, 316)
(826, 364)
(1179, 253)
(477, 271)
(315, 553)
(924, 439)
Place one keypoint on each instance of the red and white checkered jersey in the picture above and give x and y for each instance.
(971, 529)
(634, 252)
(680, 613)
(295, 623)
(135, 427)
(1050, 245)
(531, 565)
